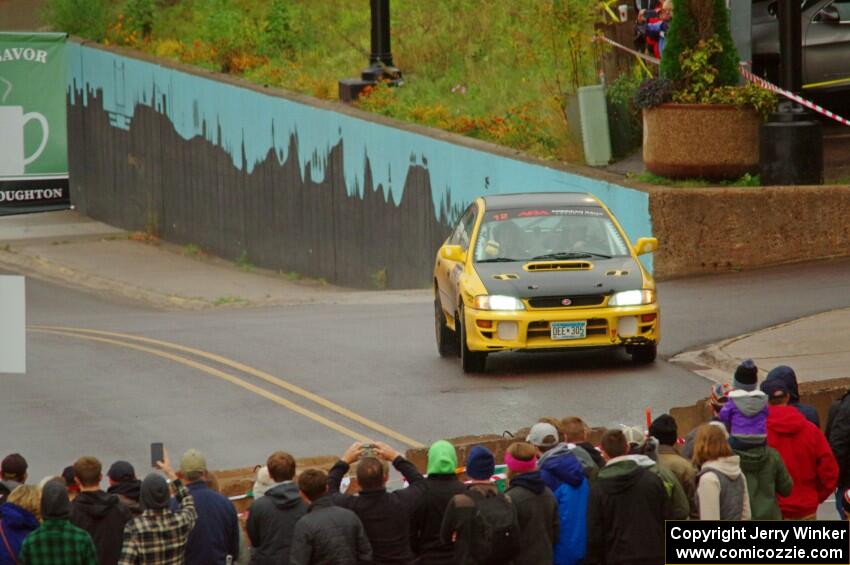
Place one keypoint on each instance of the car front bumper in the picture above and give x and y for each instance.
(496, 330)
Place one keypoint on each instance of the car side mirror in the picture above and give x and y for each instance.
(646, 245)
(829, 14)
(453, 253)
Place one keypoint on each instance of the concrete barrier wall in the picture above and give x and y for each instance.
(710, 230)
(284, 181)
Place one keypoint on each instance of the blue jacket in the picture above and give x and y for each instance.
(17, 524)
(564, 475)
(216, 533)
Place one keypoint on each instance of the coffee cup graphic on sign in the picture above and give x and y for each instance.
(13, 160)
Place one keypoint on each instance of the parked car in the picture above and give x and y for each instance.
(826, 42)
(542, 271)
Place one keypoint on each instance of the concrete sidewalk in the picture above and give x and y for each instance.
(817, 347)
(69, 248)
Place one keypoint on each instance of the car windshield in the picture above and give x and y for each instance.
(524, 234)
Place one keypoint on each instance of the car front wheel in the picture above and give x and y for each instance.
(644, 354)
(446, 338)
(471, 361)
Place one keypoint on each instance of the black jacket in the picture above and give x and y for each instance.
(537, 513)
(271, 523)
(593, 452)
(128, 492)
(329, 535)
(103, 516)
(437, 491)
(625, 520)
(385, 515)
(838, 434)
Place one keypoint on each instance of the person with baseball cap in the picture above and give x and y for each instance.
(13, 472)
(804, 450)
(564, 474)
(216, 534)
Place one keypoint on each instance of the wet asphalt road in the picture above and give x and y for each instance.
(103, 398)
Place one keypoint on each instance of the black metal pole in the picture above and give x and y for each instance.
(381, 52)
(790, 45)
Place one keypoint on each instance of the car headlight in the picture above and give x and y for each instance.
(498, 302)
(632, 298)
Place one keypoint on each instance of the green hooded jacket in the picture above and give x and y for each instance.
(766, 477)
(442, 458)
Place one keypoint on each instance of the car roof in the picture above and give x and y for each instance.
(539, 199)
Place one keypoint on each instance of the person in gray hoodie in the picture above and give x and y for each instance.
(272, 518)
(547, 439)
(721, 486)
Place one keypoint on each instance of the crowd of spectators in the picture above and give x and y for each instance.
(565, 500)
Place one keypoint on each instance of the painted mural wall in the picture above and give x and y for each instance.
(284, 184)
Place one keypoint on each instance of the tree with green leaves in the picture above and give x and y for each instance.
(696, 21)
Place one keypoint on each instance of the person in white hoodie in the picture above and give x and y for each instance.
(721, 485)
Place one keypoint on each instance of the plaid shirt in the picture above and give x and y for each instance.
(159, 536)
(58, 542)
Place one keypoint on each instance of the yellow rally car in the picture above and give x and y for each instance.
(542, 271)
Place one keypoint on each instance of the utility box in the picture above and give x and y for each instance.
(596, 138)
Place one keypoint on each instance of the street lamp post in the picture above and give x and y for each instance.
(791, 148)
(380, 59)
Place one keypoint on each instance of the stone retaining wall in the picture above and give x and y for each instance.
(711, 230)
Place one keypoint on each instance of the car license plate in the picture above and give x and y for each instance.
(568, 330)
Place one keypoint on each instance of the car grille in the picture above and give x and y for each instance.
(556, 301)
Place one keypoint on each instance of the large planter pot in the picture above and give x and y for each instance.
(715, 141)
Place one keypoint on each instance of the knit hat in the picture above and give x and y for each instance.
(542, 434)
(14, 466)
(664, 429)
(54, 500)
(719, 396)
(121, 471)
(774, 388)
(155, 493)
(442, 458)
(480, 465)
(746, 376)
(193, 461)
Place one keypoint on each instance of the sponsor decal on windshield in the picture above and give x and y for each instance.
(531, 213)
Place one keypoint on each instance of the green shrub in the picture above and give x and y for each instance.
(279, 35)
(86, 18)
(695, 21)
(140, 15)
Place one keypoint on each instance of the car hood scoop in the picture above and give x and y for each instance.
(536, 266)
(506, 277)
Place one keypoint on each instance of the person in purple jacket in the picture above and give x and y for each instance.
(745, 414)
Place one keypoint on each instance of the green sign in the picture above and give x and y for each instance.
(33, 145)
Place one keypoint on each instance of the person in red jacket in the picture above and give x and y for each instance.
(804, 450)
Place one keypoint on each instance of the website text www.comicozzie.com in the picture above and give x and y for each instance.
(790, 542)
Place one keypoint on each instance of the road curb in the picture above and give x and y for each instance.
(36, 267)
(715, 363)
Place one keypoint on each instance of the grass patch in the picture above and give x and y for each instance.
(227, 300)
(501, 72)
(650, 178)
(191, 250)
(244, 262)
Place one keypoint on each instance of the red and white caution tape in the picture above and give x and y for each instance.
(791, 96)
(750, 77)
(638, 54)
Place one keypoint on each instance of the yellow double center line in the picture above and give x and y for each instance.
(134, 341)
